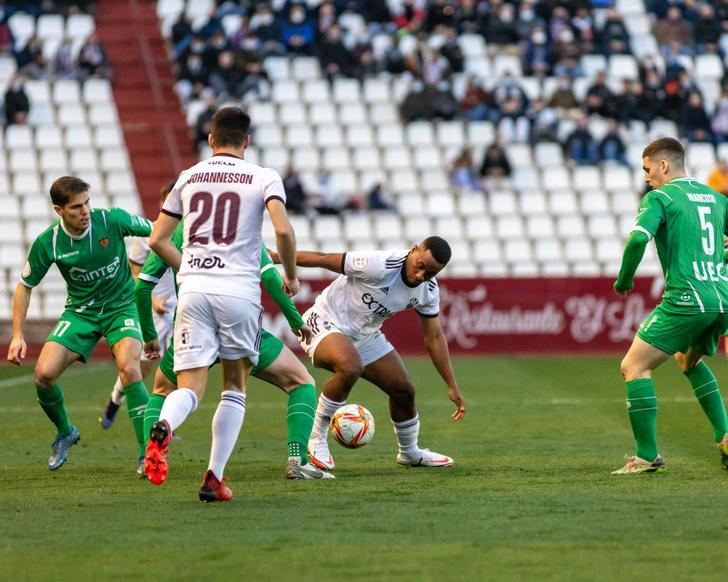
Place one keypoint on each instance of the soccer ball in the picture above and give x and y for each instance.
(352, 426)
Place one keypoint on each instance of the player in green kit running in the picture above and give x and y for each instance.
(688, 221)
(276, 363)
(88, 248)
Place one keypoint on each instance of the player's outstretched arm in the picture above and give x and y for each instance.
(436, 346)
(634, 250)
(285, 243)
(331, 261)
(21, 301)
(161, 240)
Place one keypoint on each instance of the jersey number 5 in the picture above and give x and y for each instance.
(709, 238)
(226, 209)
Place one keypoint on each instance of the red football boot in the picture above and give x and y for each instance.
(155, 458)
(213, 489)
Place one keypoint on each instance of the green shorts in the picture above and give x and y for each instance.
(270, 348)
(80, 332)
(672, 331)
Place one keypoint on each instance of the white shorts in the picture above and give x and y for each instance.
(371, 348)
(209, 326)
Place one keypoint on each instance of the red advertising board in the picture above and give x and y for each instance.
(514, 316)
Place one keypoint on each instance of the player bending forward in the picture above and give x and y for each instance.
(346, 320)
(687, 220)
(276, 363)
(88, 248)
(222, 200)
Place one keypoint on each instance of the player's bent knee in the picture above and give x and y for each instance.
(350, 372)
(129, 373)
(44, 378)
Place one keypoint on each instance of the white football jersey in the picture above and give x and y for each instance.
(222, 200)
(137, 253)
(371, 289)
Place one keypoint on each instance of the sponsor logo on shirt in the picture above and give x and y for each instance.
(205, 263)
(80, 275)
(375, 306)
(66, 255)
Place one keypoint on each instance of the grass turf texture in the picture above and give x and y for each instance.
(530, 496)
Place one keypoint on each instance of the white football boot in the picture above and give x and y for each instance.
(424, 458)
(320, 456)
(297, 471)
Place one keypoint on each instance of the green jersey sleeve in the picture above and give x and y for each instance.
(130, 224)
(153, 270)
(40, 259)
(651, 214)
(273, 283)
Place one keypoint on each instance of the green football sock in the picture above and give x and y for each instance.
(301, 410)
(136, 401)
(51, 401)
(152, 412)
(642, 408)
(706, 390)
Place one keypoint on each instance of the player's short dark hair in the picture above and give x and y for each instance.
(230, 126)
(668, 147)
(65, 187)
(439, 248)
(166, 189)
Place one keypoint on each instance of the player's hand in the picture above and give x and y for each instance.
(622, 291)
(457, 398)
(152, 349)
(304, 333)
(274, 257)
(291, 287)
(158, 305)
(16, 351)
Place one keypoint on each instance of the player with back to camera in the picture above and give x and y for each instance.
(688, 221)
(222, 200)
(277, 364)
(88, 248)
(164, 300)
(346, 320)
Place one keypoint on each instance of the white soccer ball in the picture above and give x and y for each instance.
(352, 426)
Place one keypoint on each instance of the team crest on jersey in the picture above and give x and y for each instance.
(104, 242)
(359, 263)
(185, 337)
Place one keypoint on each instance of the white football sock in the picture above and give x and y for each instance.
(226, 425)
(324, 411)
(407, 432)
(178, 406)
(118, 394)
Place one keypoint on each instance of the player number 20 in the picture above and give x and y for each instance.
(224, 211)
(709, 238)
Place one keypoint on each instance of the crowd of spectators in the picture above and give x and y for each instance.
(88, 60)
(419, 39)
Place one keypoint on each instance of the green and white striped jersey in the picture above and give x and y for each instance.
(94, 264)
(688, 221)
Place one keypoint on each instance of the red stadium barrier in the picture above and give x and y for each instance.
(515, 316)
(503, 316)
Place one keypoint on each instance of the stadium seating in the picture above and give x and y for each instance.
(73, 128)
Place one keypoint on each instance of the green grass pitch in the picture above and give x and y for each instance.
(530, 496)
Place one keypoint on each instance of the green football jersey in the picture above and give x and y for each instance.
(94, 264)
(688, 221)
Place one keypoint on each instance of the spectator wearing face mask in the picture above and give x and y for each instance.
(298, 32)
(264, 26)
(537, 58)
(500, 28)
(527, 20)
